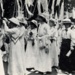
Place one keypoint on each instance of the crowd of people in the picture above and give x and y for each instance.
(37, 45)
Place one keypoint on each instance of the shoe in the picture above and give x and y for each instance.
(32, 70)
(37, 72)
(70, 74)
(59, 71)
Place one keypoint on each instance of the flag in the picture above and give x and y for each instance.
(42, 6)
(56, 7)
(53, 6)
(1, 9)
(73, 12)
(19, 5)
(61, 16)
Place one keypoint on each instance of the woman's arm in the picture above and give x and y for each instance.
(10, 31)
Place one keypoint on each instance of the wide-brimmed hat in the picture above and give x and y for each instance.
(67, 21)
(21, 20)
(34, 22)
(42, 17)
(14, 20)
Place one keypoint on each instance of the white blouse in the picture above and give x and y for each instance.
(53, 33)
(73, 37)
(66, 34)
(43, 30)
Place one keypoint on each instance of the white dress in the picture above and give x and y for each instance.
(59, 40)
(1, 62)
(44, 55)
(16, 63)
(31, 50)
(54, 46)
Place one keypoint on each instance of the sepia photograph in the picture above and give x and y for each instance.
(37, 37)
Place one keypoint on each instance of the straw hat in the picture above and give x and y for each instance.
(22, 20)
(34, 22)
(67, 21)
(42, 17)
(14, 20)
(45, 15)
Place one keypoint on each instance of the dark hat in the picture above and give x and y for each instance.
(32, 18)
(42, 17)
(72, 19)
(53, 21)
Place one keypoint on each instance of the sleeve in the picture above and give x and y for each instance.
(56, 35)
(22, 31)
(60, 37)
(7, 30)
(72, 43)
(47, 29)
(15, 34)
(71, 47)
(12, 31)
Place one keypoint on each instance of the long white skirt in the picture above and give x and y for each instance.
(16, 62)
(30, 55)
(44, 61)
(54, 54)
(1, 65)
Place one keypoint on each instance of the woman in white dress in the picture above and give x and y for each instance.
(31, 45)
(53, 45)
(44, 53)
(1, 43)
(16, 63)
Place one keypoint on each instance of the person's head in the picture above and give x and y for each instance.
(13, 22)
(33, 24)
(60, 24)
(23, 21)
(67, 23)
(42, 18)
(52, 23)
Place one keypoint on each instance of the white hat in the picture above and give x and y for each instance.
(14, 20)
(34, 22)
(52, 19)
(21, 19)
(44, 15)
(67, 21)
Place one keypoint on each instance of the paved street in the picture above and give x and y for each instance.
(33, 73)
